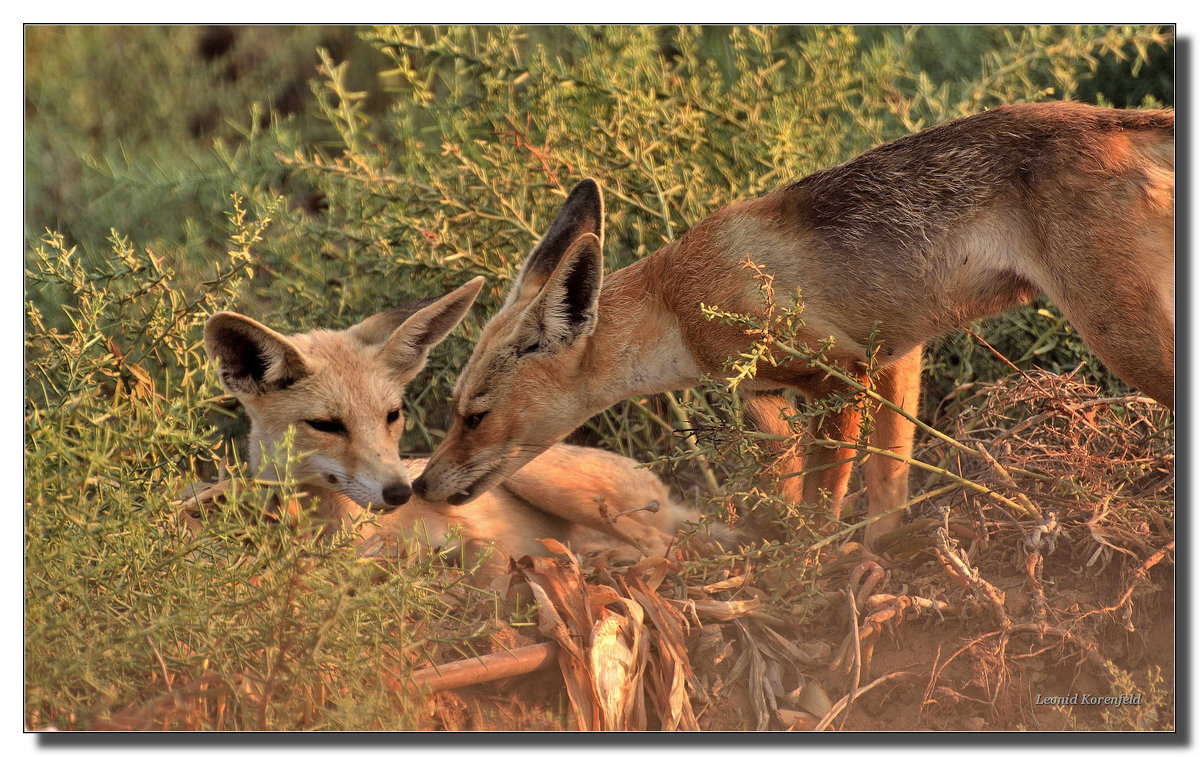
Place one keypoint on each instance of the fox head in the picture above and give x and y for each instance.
(521, 389)
(341, 390)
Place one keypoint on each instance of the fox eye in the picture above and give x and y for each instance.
(327, 426)
(528, 349)
(393, 416)
(473, 420)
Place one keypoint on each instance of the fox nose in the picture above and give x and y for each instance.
(397, 494)
(420, 486)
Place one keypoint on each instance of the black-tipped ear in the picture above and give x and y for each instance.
(408, 347)
(566, 307)
(252, 358)
(581, 213)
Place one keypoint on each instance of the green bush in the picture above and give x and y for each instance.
(258, 625)
(434, 155)
(491, 126)
(148, 129)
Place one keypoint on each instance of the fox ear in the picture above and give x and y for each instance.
(582, 213)
(409, 345)
(376, 330)
(565, 309)
(253, 359)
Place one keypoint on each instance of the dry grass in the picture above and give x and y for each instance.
(986, 610)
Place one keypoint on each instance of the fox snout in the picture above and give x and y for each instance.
(419, 486)
(395, 495)
(381, 494)
(451, 495)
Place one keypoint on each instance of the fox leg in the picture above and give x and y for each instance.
(766, 411)
(1127, 319)
(887, 478)
(829, 466)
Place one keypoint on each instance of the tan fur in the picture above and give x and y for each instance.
(915, 237)
(572, 494)
(588, 498)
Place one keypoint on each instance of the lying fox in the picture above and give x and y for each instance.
(912, 238)
(342, 391)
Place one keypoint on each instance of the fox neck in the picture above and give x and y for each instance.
(637, 347)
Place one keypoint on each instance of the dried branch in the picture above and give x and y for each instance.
(486, 668)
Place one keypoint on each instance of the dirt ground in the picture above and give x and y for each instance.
(977, 619)
(961, 672)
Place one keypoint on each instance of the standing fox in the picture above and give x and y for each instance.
(342, 391)
(917, 236)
